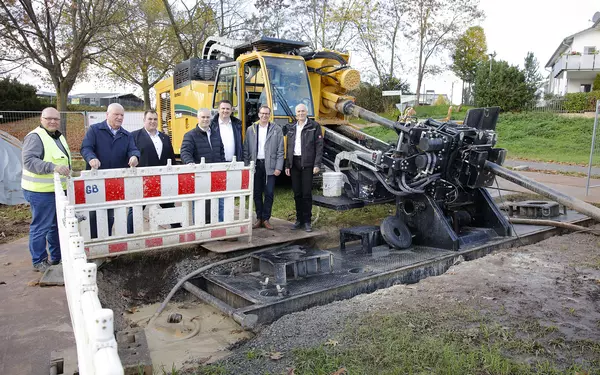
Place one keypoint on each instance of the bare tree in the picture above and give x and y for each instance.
(275, 25)
(192, 24)
(147, 47)
(433, 26)
(378, 25)
(58, 36)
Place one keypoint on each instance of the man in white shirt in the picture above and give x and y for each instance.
(303, 160)
(264, 145)
(155, 150)
(230, 129)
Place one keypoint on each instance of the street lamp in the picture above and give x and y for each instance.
(491, 56)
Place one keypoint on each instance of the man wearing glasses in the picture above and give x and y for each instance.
(45, 151)
(264, 146)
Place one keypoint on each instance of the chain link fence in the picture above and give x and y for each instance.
(19, 123)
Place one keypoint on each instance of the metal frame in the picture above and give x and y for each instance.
(589, 173)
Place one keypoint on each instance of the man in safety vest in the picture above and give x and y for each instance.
(45, 151)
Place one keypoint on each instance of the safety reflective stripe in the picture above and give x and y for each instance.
(40, 179)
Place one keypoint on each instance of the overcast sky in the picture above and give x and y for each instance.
(512, 28)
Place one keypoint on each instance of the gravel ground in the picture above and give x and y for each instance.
(555, 282)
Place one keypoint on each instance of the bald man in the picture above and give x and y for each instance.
(45, 151)
(106, 146)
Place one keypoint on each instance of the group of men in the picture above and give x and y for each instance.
(218, 139)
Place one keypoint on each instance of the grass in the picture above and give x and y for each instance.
(447, 341)
(533, 136)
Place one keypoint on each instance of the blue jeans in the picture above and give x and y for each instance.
(43, 226)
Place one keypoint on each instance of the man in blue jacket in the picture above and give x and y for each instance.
(106, 146)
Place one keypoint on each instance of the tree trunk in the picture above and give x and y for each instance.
(61, 106)
(146, 90)
(462, 93)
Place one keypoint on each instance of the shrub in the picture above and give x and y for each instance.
(596, 84)
(16, 96)
(576, 101)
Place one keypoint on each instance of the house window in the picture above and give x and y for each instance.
(589, 50)
(587, 87)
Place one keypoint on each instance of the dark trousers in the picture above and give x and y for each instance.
(302, 179)
(263, 184)
(94, 226)
(130, 217)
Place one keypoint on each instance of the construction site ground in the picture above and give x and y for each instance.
(535, 303)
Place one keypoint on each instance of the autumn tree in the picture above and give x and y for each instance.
(276, 25)
(503, 85)
(191, 24)
(59, 37)
(378, 25)
(146, 49)
(324, 24)
(432, 26)
(470, 49)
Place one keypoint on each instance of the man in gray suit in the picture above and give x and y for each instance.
(264, 146)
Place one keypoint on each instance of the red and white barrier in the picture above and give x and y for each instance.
(188, 186)
(92, 325)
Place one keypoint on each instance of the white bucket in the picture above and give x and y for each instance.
(333, 182)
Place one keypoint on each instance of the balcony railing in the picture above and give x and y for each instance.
(576, 62)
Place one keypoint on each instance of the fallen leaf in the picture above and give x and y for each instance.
(33, 283)
(131, 310)
(341, 371)
(276, 355)
(331, 342)
(291, 371)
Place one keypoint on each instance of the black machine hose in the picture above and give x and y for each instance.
(566, 200)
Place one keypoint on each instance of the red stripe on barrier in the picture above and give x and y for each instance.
(79, 192)
(186, 183)
(244, 229)
(218, 233)
(87, 251)
(218, 181)
(114, 189)
(151, 186)
(245, 179)
(153, 242)
(187, 237)
(117, 247)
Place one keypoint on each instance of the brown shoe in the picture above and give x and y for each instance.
(257, 224)
(268, 225)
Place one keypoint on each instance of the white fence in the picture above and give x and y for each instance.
(131, 121)
(92, 325)
(186, 187)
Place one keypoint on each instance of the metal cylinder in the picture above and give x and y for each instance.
(568, 201)
(347, 107)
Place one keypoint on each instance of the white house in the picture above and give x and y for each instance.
(576, 61)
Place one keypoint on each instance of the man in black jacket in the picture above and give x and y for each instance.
(155, 149)
(202, 142)
(303, 159)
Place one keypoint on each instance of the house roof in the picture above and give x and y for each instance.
(566, 43)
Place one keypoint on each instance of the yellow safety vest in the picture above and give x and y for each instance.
(44, 183)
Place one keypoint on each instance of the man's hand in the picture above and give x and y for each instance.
(94, 163)
(316, 170)
(62, 170)
(133, 161)
(277, 172)
(287, 171)
(191, 163)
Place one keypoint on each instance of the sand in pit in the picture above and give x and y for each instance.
(204, 334)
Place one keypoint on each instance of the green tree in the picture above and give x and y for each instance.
(469, 50)
(433, 25)
(59, 37)
(533, 78)
(503, 85)
(596, 84)
(16, 96)
(146, 49)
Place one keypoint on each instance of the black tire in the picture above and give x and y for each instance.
(395, 233)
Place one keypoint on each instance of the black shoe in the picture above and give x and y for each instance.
(297, 225)
(54, 262)
(308, 227)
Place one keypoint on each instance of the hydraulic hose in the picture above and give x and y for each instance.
(566, 200)
(553, 223)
